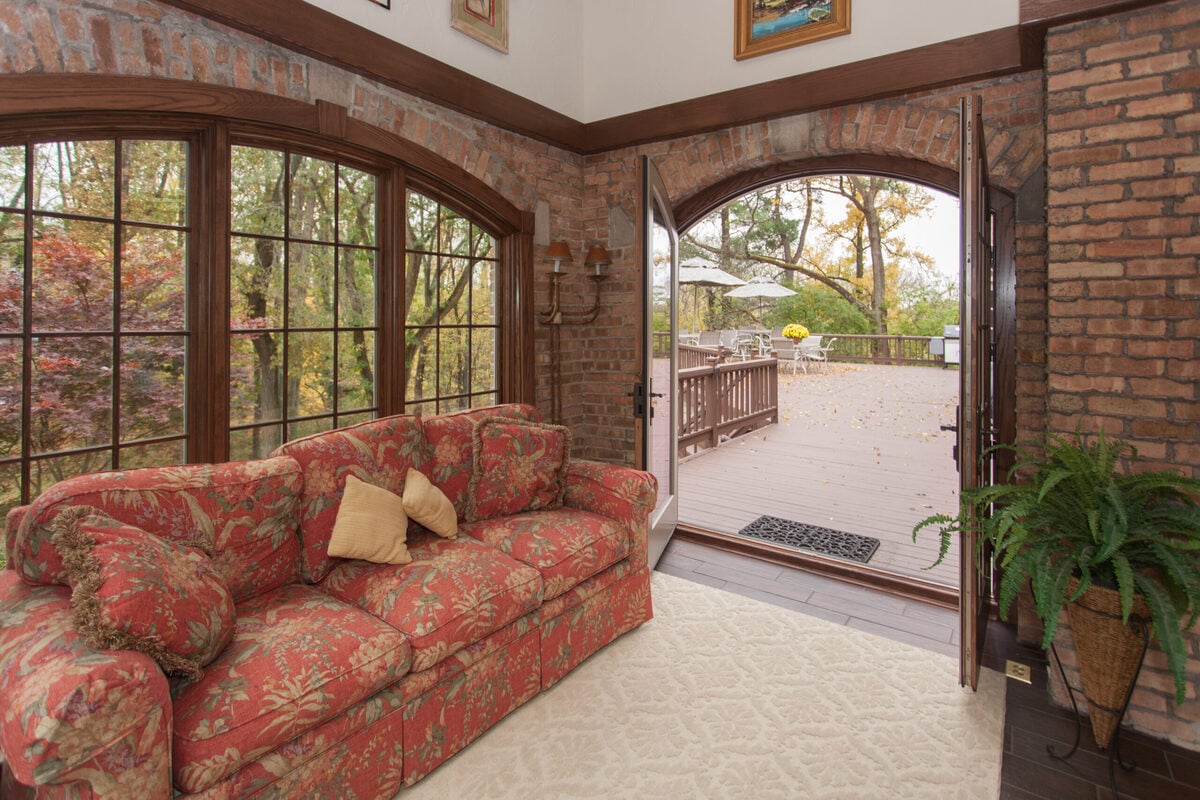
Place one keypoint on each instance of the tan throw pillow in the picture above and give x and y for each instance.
(429, 505)
(370, 525)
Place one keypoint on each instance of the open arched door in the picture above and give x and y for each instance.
(654, 397)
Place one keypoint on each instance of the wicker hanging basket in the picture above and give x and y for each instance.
(1110, 653)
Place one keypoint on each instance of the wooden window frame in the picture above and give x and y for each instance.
(78, 106)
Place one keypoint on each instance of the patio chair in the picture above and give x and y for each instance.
(787, 352)
(810, 350)
(710, 339)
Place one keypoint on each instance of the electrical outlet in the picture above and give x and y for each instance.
(1018, 672)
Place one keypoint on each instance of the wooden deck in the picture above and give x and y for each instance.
(858, 449)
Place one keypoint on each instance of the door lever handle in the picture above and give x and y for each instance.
(949, 428)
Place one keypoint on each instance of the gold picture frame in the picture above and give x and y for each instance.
(483, 20)
(766, 26)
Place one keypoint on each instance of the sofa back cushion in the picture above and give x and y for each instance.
(379, 452)
(248, 510)
(450, 438)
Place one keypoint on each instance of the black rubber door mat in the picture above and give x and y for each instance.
(812, 538)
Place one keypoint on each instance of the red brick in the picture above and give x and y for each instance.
(1124, 89)
(1121, 131)
(1085, 155)
(1125, 210)
(1125, 170)
(1127, 288)
(1126, 406)
(1159, 63)
(1162, 307)
(1127, 326)
(1160, 106)
(1161, 387)
(1123, 48)
(1127, 247)
(1162, 429)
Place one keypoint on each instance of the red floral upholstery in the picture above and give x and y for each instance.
(299, 658)
(581, 630)
(247, 509)
(73, 713)
(132, 590)
(453, 593)
(448, 438)
(445, 720)
(567, 546)
(625, 495)
(379, 452)
(312, 696)
(12, 521)
(518, 466)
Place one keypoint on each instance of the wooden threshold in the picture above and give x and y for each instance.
(856, 574)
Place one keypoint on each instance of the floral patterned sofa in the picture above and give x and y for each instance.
(340, 677)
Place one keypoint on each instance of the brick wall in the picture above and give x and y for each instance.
(1123, 181)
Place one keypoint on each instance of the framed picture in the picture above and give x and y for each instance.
(485, 20)
(765, 26)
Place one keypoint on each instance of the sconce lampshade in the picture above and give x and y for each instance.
(597, 258)
(559, 251)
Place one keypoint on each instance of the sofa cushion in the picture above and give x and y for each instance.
(567, 546)
(379, 452)
(518, 466)
(247, 509)
(428, 505)
(132, 590)
(371, 525)
(455, 592)
(299, 657)
(450, 441)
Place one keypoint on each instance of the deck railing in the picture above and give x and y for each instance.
(718, 401)
(890, 349)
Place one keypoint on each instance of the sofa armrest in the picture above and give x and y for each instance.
(71, 713)
(12, 521)
(620, 493)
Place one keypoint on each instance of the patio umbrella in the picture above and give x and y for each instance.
(761, 288)
(699, 271)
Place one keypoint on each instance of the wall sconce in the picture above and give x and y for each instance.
(597, 259)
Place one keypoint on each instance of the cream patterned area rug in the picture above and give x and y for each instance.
(722, 696)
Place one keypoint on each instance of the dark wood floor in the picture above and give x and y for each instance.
(1164, 771)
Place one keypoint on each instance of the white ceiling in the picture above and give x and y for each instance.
(595, 59)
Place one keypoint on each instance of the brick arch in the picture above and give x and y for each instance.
(148, 41)
(916, 135)
(692, 209)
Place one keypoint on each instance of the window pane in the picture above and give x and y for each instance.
(346, 420)
(482, 244)
(254, 442)
(483, 293)
(454, 404)
(72, 393)
(421, 290)
(153, 455)
(152, 387)
(310, 286)
(255, 378)
(311, 213)
(12, 272)
(10, 487)
(45, 472)
(12, 177)
(153, 280)
(307, 427)
(421, 352)
(453, 362)
(356, 294)
(483, 359)
(484, 400)
(74, 177)
(257, 191)
(356, 207)
(356, 370)
(256, 283)
(453, 296)
(455, 234)
(72, 276)
(310, 374)
(422, 223)
(154, 183)
(10, 397)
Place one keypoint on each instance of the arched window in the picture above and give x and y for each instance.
(178, 289)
